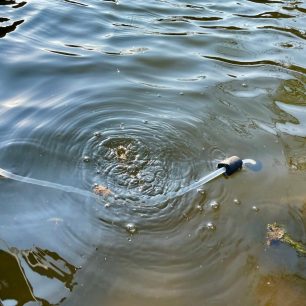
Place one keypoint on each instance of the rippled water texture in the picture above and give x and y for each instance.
(137, 100)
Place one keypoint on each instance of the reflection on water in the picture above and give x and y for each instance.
(21, 270)
(14, 285)
(6, 29)
(139, 100)
(290, 102)
(299, 113)
(6, 24)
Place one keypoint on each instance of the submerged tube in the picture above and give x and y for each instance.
(231, 164)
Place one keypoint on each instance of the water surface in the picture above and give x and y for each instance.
(145, 98)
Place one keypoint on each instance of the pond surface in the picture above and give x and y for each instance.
(144, 98)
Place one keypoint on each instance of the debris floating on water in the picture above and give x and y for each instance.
(101, 190)
(276, 233)
(121, 153)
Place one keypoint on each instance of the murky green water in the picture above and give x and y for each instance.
(144, 98)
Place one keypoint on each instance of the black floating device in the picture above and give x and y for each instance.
(231, 165)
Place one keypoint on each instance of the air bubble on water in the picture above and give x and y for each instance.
(236, 201)
(158, 190)
(97, 134)
(255, 208)
(214, 205)
(210, 226)
(201, 191)
(131, 228)
(199, 207)
(86, 159)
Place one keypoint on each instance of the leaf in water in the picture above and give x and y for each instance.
(101, 190)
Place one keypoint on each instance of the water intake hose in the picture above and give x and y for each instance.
(227, 167)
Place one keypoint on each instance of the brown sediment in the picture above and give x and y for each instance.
(280, 289)
(101, 190)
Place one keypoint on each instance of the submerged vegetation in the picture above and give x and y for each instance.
(276, 232)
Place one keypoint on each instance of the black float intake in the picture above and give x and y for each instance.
(231, 165)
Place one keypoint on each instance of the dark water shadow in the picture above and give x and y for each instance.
(20, 268)
(10, 25)
(10, 28)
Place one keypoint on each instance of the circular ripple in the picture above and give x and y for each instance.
(140, 162)
(144, 157)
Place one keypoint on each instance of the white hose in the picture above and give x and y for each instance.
(43, 183)
(207, 178)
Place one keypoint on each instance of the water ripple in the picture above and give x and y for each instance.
(4, 30)
(295, 32)
(268, 15)
(139, 100)
(259, 63)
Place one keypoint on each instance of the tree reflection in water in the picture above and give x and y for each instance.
(23, 270)
(6, 25)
